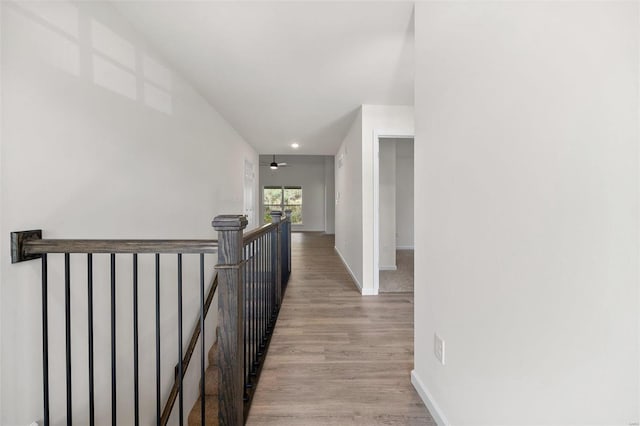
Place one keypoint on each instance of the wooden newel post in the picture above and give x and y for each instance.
(276, 217)
(230, 315)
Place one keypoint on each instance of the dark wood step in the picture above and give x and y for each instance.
(210, 412)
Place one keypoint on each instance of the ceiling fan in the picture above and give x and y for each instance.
(274, 165)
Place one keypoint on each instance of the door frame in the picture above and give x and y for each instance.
(377, 135)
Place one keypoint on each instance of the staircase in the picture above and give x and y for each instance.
(210, 393)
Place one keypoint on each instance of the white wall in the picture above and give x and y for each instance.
(387, 214)
(329, 195)
(527, 243)
(348, 166)
(404, 193)
(100, 138)
(307, 171)
(1, 214)
(380, 120)
(355, 178)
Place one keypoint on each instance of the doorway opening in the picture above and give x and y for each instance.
(393, 214)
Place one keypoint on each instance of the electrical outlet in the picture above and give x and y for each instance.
(438, 348)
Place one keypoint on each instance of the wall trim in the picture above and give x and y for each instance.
(429, 401)
(363, 291)
(388, 268)
(405, 248)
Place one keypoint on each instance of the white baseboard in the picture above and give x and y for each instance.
(346, 265)
(363, 291)
(388, 268)
(428, 400)
(404, 247)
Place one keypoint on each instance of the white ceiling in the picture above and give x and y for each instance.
(286, 71)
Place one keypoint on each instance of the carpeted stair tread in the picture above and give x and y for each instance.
(210, 389)
(213, 354)
(210, 412)
(211, 380)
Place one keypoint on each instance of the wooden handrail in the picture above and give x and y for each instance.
(257, 233)
(38, 246)
(166, 412)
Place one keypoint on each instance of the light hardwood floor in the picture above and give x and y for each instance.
(337, 358)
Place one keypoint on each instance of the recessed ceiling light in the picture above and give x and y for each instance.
(295, 145)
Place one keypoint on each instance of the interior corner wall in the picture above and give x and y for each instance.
(387, 214)
(329, 195)
(100, 138)
(527, 244)
(348, 205)
(382, 120)
(404, 194)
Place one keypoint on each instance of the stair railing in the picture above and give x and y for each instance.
(28, 245)
(252, 278)
(252, 273)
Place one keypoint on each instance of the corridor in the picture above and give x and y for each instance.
(337, 358)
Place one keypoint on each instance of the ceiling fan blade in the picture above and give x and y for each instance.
(282, 164)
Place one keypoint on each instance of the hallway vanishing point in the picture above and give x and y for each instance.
(336, 357)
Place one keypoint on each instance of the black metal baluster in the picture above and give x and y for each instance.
(158, 395)
(254, 315)
(289, 248)
(45, 342)
(272, 299)
(90, 315)
(259, 298)
(283, 249)
(135, 341)
(264, 291)
(113, 340)
(288, 253)
(274, 240)
(284, 264)
(262, 296)
(266, 288)
(270, 277)
(274, 274)
(180, 396)
(247, 302)
(202, 346)
(67, 331)
(247, 270)
(269, 282)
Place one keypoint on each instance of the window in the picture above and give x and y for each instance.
(283, 198)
